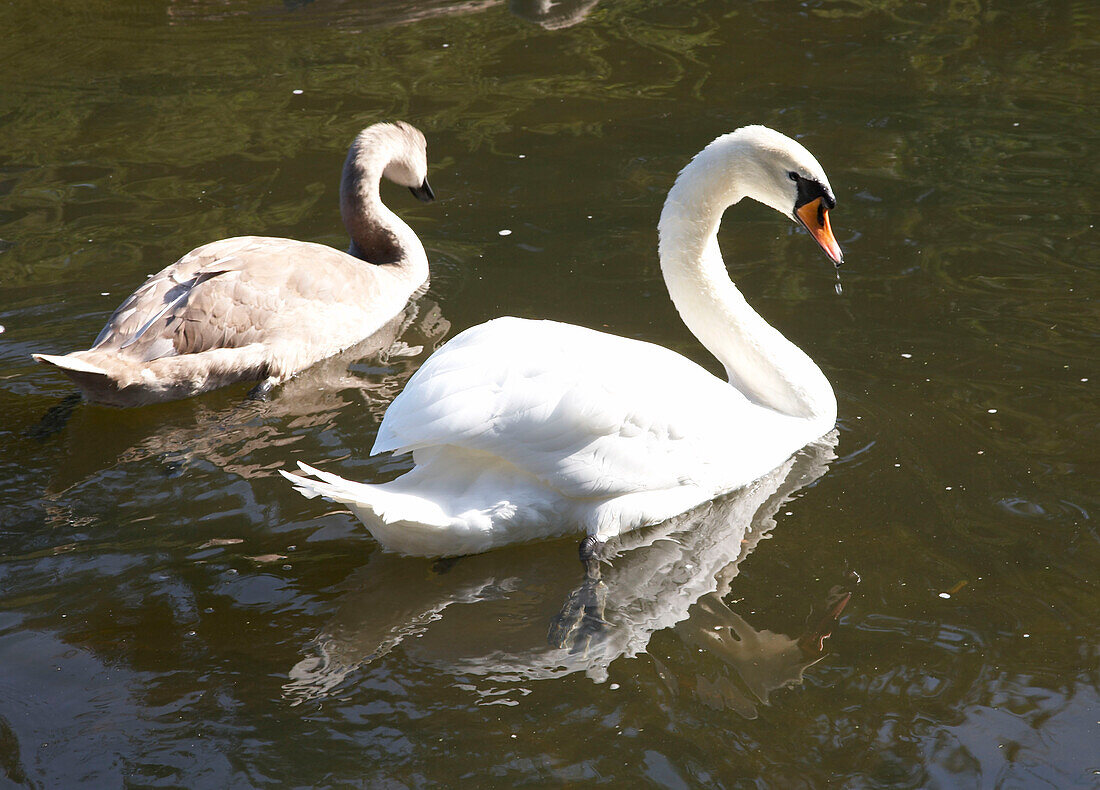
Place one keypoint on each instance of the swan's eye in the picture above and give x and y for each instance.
(793, 176)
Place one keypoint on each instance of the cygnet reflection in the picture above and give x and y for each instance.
(488, 615)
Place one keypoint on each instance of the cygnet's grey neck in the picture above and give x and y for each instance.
(759, 361)
(377, 234)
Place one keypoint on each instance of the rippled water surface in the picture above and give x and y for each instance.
(172, 614)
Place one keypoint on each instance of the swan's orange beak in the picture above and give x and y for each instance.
(815, 217)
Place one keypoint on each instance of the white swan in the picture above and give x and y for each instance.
(528, 429)
(254, 308)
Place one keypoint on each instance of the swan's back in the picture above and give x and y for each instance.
(586, 413)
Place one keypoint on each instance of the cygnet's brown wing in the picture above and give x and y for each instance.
(231, 293)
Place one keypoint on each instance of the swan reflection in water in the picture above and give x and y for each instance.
(764, 661)
(488, 615)
(247, 437)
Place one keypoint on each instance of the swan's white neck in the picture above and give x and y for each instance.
(761, 363)
(377, 234)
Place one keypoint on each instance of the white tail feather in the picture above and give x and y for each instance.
(314, 488)
(361, 497)
(447, 514)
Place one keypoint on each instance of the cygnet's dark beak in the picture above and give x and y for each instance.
(423, 192)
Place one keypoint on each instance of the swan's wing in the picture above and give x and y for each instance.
(238, 291)
(588, 413)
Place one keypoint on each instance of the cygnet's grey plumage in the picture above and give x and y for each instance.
(254, 308)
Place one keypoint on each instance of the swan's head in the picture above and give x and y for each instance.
(779, 172)
(403, 149)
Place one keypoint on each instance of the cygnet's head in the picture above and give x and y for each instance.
(782, 174)
(403, 148)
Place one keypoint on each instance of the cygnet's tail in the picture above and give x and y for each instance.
(108, 376)
(90, 378)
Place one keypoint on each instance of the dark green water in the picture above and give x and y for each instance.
(172, 614)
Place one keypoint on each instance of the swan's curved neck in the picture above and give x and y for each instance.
(377, 234)
(761, 363)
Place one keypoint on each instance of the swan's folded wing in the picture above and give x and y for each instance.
(588, 413)
(238, 291)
